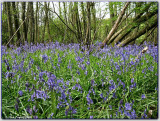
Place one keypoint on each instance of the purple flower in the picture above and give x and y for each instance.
(127, 113)
(110, 106)
(133, 114)
(35, 117)
(101, 95)
(116, 114)
(16, 106)
(87, 62)
(20, 93)
(29, 110)
(44, 58)
(34, 108)
(121, 102)
(128, 106)
(143, 96)
(27, 85)
(67, 83)
(132, 80)
(114, 95)
(89, 100)
(17, 100)
(74, 111)
(92, 83)
(86, 72)
(111, 81)
(111, 87)
(52, 115)
(91, 117)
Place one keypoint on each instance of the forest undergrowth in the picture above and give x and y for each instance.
(61, 81)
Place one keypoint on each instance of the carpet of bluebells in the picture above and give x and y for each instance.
(57, 81)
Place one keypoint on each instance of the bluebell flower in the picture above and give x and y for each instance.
(67, 82)
(127, 113)
(45, 58)
(89, 100)
(59, 60)
(133, 114)
(16, 106)
(52, 114)
(18, 101)
(111, 87)
(132, 80)
(114, 95)
(92, 83)
(111, 81)
(143, 96)
(110, 106)
(10, 74)
(101, 95)
(74, 111)
(91, 117)
(120, 110)
(128, 106)
(29, 110)
(20, 93)
(35, 117)
(88, 62)
(34, 108)
(86, 72)
(144, 115)
(116, 114)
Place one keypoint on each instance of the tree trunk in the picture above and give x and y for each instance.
(65, 17)
(16, 22)
(77, 22)
(111, 11)
(47, 21)
(24, 24)
(10, 28)
(36, 23)
(88, 32)
(31, 21)
(94, 21)
(84, 21)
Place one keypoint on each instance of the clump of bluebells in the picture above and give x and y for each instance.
(57, 81)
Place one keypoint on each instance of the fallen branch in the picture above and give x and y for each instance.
(142, 52)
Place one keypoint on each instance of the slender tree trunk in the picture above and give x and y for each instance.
(94, 21)
(24, 24)
(43, 34)
(16, 22)
(36, 23)
(32, 24)
(84, 21)
(47, 20)
(88, 32)
(65, 17)
(9, 16)
(77, 22)
(111, 10)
